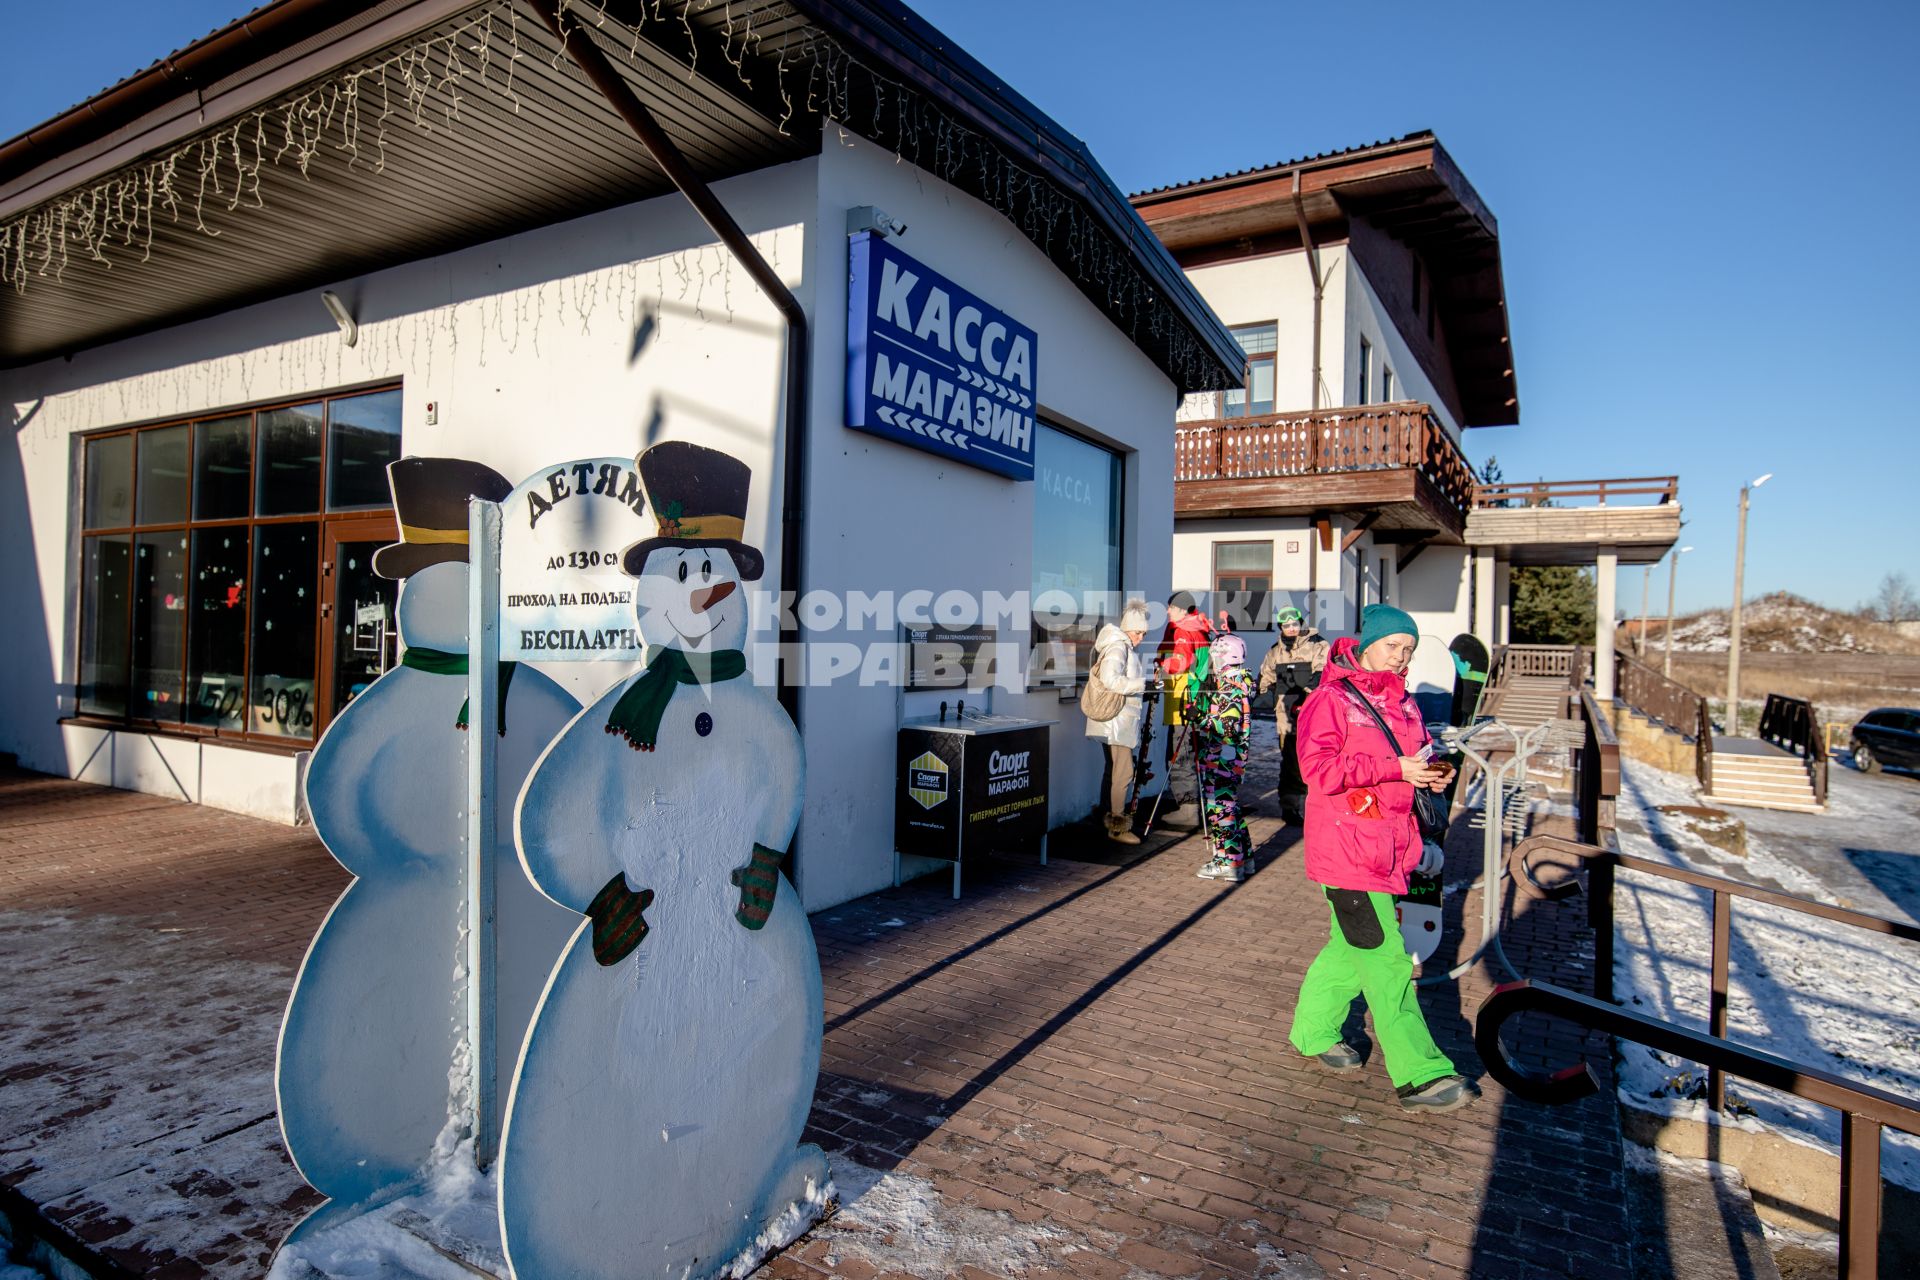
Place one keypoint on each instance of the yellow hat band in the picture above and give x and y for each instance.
(731, 528)
(412, 533)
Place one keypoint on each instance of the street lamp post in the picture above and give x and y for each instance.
(1673, 576)
(1733, 638)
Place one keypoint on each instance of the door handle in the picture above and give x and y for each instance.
(326, 610)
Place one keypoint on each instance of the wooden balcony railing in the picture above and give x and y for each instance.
(1537, 493)
(1358, 438)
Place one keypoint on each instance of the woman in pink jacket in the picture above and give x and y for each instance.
(1362, 842)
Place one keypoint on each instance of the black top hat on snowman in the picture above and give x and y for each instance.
(430, 502)
(698, 497)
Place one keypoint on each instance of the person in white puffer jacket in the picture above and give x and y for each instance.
(1116, 659)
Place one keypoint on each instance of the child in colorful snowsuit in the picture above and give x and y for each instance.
(1223, 721)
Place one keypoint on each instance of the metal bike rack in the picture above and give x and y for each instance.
(1500, 781)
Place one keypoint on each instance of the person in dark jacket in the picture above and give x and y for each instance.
(1362, 843)
(1292, 669)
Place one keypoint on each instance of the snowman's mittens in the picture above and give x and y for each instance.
(618, 922)
(759, 880)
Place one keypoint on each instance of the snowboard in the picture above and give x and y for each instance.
(1471, 664)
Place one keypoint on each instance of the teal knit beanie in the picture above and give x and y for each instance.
(1378, 621)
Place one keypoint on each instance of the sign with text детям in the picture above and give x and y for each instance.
(932, 366)
(563, 595)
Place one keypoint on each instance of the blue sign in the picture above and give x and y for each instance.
(931, 365)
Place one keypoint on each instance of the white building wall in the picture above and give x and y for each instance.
(591, 338)
(1365, 317)
(886, 517)
(600, 337)
(1279, 288)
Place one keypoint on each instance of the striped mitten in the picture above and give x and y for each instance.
(758, 882)
(618, 925)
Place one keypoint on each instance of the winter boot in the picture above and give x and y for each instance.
(1120, 829)
(1448, 1093)
(1184, 816)
(1342, 1058)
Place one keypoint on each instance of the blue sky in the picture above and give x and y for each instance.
(1705, 213)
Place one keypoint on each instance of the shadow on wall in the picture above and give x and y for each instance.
(29, 696)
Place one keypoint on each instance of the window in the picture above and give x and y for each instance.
(1386, 384)
(1366, 370)
(1243, 583)
(1078, 497)
(201, 577)
(1260, 342)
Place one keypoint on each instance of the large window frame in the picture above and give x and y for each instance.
(134, 521)
(1260, 343)
(1245, 589)
(1065, 651)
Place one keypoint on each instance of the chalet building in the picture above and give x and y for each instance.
(1365, 288)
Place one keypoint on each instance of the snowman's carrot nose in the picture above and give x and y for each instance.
(707, 597)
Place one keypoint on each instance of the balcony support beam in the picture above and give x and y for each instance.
(1606, 568)
(1483, 614)
(1360, 526)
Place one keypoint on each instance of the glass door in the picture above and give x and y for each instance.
(359, 637)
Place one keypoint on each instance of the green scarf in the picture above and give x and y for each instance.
(441, 663)
(636, 716)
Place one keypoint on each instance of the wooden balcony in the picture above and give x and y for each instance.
(1390, 467)
(1569, 521)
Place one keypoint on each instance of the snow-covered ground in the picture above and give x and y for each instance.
(1807, 989)
(893, 1222)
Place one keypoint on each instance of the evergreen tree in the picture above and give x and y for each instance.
(1552, 604)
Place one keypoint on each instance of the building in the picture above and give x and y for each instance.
(239, 283)
(1365, 287)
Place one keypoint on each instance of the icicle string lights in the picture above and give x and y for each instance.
(426, 84)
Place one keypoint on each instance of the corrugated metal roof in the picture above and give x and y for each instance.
(1417, 137)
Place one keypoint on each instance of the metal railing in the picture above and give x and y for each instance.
(1654, 696)
(1596, 769)
(1864, 1109)
(1371, 437)
(1540, 493)
(1793, 724)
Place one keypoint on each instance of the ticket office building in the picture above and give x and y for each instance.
(198, 478)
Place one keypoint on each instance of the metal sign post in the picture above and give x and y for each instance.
(483, 716)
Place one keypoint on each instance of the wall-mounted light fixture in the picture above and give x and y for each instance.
(349, 329)
(868, 218)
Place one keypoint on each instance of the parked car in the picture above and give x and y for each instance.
(1889, 736)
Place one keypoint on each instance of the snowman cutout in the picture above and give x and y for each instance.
(654, 1117)
(367, 1074)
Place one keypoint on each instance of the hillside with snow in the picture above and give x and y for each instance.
(1786, 623)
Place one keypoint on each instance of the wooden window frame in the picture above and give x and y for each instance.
(1269, 358)
(1366, 371)
(363, 519)
(1263, 616)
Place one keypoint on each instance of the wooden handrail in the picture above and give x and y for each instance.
(1655, 696)
(1864, 1110)
(1404, 434)
(1793, 724)
(1538, 492)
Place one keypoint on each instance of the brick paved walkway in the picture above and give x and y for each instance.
(1085, 1063)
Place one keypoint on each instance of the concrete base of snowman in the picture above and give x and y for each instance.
(653, 1119)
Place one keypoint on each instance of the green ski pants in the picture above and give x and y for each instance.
(1364, 955)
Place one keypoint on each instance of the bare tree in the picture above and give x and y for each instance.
(1895, 601)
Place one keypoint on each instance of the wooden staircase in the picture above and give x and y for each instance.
(1759, 775)
(1527, 701)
